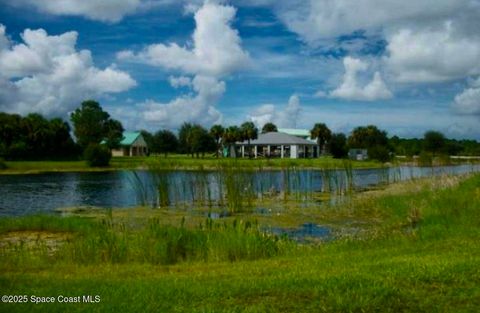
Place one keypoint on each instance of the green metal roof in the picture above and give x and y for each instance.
(295, 132)
(129, 138)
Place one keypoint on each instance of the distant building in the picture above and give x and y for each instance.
(278, 144)
(358, 154)
(132, 144)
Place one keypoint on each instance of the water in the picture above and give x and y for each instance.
(35, 193)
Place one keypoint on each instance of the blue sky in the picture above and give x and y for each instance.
(154, 64)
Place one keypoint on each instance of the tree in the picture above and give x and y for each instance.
(184, 138)
(269, 127)
(338, 145)
(433, 142)
(322, 133)
(113, 133)
(231, 135)
(164, 141)
(148, 139)
(89, 123)
(248, 132)
(370, 138)
(194, 139)
(365, 137)
(217, 132)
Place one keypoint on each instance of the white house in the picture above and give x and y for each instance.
(277, 144)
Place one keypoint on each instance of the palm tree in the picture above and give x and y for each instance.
(217, 132)
(231, 136)
(249, 132)
(322, 133)
(269, 127)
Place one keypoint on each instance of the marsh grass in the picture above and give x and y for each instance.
(233, 267)
(116, 242)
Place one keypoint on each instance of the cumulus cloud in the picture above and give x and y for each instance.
(217, 49)
(319, 19)
(216, 53)
(468, 101)
(180, 81)
(104, 10)
(350, 88)
(190, 108)
(287, 118)
(427, 40)
(46, 74)
(430, 55)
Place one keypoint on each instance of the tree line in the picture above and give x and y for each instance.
(33, 137)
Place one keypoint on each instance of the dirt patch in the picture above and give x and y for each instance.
(34, 240)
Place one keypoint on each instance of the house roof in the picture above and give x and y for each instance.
(129, 138)
(277, 138)
(295, 132)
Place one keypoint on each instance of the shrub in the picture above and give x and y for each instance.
(425, 159)
(379, 153)
(2, 164)
(97, 155)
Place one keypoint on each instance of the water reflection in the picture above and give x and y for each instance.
(27, 194)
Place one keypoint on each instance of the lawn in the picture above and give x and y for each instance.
(174, 162)
(412, 247)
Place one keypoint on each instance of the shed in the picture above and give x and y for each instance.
(132, 144)
(278, 144)
(358, 154)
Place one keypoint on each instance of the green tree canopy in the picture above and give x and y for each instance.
(164, 141)
(269, 127)
(248, 132)
(322, 133)
(338, 145)
(92, 125)
(217, 131)
(434, 141)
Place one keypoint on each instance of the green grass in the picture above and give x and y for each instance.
(173, 162)
(418, 252)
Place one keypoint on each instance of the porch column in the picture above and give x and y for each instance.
(130, 153)
(243, 151)
(268, 151)
(255, 151)
(282, 151)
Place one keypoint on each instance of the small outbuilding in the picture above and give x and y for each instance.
(358, 154)
(132, 144)
(277, 144)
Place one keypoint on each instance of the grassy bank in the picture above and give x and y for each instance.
(412, 247)
(176, 162)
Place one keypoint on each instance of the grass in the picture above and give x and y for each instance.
(175, 162)
(412, 247)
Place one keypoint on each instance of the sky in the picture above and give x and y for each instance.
(406, 66)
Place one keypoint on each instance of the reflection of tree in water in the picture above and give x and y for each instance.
(104, 189)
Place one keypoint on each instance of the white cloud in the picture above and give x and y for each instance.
(216, 49)
(216, 53)
(350, 89)
(186, 108)
(180, 81)
(430, 55)
(320, 19)
(427, 40)
(468, 101)
(46, 74)
(288, 117)
(104, 10)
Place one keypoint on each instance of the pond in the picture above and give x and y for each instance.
(35, 193)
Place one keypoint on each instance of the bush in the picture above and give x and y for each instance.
(425, 159)
(379, 153)
(97, 155)
(2, 164)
